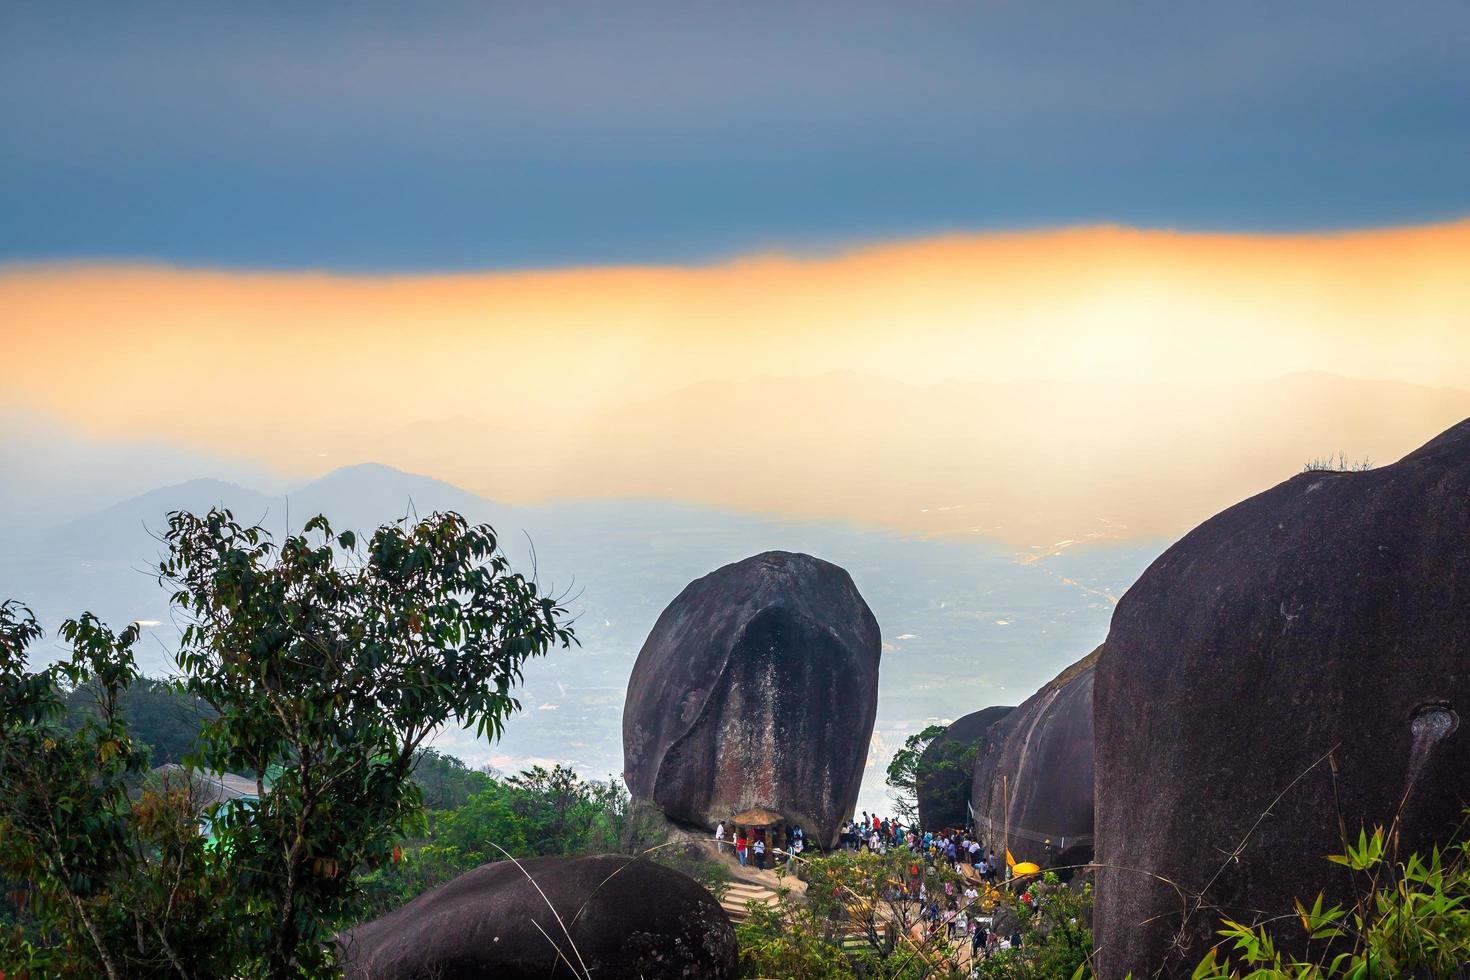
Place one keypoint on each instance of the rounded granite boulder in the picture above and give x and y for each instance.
(757, 687)
(1034, 774)
(604, 915)
(1295, 666)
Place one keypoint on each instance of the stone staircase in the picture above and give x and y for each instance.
(738, 893)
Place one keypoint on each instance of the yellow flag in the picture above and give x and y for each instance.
(1010, 861)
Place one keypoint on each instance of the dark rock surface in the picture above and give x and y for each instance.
(1321, 616)
(942, 794)
(1034, 774)
(626, 917)
(757, 687)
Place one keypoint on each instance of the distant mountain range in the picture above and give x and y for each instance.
(1024, 463)
(965, 623)
(1028, 464)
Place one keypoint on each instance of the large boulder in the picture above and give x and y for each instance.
(946, 766)
(1033, 776)
(757, 688)
(607, 915)
(1326, 616)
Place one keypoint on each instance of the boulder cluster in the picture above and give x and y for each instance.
(1292, 669)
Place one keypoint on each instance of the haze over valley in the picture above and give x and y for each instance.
(991, 527)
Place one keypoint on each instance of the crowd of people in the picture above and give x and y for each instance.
(953, 846)
(953, 909)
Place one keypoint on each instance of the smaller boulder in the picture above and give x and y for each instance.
(945, 768)
(1033, 784)
(604, 915)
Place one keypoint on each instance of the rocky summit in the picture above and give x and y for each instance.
(757, 687)
(1293, 667)
(605, 915)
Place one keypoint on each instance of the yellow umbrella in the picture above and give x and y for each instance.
(1025, 868)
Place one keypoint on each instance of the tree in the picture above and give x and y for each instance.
(329, 667)
(116, 885)
(325, 666)
(904, 772)
(445, 781)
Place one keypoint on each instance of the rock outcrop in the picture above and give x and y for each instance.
(1034, 774)
(944, 786)
(756, 688)
(1328, 616)
(619, 917)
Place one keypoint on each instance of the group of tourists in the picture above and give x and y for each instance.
(873, 833)
(954, 847)
(751, 847)
(951, 908)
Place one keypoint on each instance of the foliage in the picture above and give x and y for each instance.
(535, 813)
(162, 720)
(322, 664)
(117, 886)
(558, 812)
(1052, 919)
(444, 781)
(1411, 919)
(904, 772)
(779, 941)
(861, 917)
(1327, 464)
(940, 766)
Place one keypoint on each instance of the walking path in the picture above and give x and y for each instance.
(739, 893)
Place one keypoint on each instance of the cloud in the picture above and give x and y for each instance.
(361, 137)
(1045, 386)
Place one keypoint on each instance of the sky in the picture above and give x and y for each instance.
(373, 137)
(588, 238)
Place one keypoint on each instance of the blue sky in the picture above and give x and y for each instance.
(411, 137)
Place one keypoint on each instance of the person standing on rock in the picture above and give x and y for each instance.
(760, 853)
(720, 838)
(740, 845)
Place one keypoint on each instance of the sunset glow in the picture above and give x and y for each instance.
(340, 355)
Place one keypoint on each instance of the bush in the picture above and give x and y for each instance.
(861, 917)
(1411, 920)
(1054, 922)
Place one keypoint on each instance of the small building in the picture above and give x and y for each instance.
(208, 788)
(762, 824)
